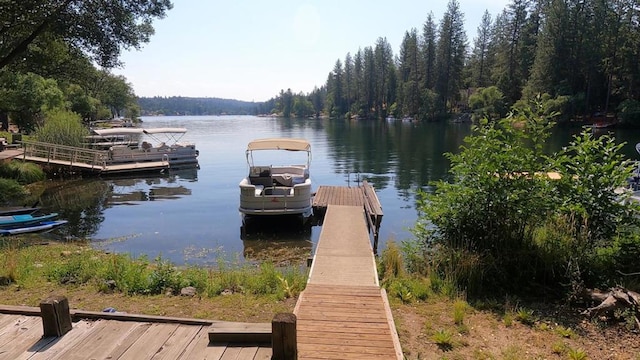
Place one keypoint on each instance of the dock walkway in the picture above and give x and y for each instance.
(343, 313)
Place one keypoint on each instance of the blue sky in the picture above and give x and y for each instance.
(250, 50)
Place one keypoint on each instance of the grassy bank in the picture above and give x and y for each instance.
(432, 321)
(94, 280)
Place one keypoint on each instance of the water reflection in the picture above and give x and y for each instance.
(283, 240)
(84, 202)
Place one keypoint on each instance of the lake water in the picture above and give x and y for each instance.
(191, 216)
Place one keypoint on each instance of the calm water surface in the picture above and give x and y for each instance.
(191, 216)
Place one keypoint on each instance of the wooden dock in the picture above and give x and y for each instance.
(343, 313)
(362, 196)
(81, 159)
(117, 336)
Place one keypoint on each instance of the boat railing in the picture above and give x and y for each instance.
(70, 155)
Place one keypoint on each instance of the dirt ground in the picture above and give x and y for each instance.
(557, 333)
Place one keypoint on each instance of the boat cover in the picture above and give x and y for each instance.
(279, 144)
(130, 131)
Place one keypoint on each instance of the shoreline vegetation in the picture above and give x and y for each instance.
(432, 322)
(496, 269)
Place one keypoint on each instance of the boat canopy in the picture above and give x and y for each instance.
(117, 131)
(279, 144)
(133, 131)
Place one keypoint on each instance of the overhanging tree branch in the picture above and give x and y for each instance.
(22, 46)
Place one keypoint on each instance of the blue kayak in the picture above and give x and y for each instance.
(37, 227)
(12, 221)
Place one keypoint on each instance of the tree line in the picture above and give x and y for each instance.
(178, 105)
(581, 54)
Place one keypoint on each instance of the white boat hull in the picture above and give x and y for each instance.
(275, 200)
(174, 155)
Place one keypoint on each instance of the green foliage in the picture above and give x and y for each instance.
(74, 269)
(576, 354)
(390, 263)
(101, 30)
(62, 127)
(592, 169)
(501, 221)
(525, 316)
(443, 339)
(26, 96)
(619, 256)
(459, 310)
(479, 224)
(565, 332)
(11, 192)
(22, 172)
(487, 103)
(164, 276)
(629, 112)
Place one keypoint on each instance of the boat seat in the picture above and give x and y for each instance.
(261, 180)
(261, 176)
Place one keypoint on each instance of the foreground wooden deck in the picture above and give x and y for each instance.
(21, 337)
(343, 313)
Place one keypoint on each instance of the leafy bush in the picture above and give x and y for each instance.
(629, 112)
(479, 226)
(502, 223)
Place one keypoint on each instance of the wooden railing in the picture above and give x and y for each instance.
(373, 212)
(69, 155)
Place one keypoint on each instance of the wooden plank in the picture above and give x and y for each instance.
(340, 290)
(231, 353)
(81, 314)
(263, 353)
(5, 320)
(119, 346)
(247, 353)
(101, 338)
(150, 342)
(392, 325)
(313, 354)
(200, 348)
(50, 348)
(238, 333)
(23, 337)
(56, 318)
(177, 342)
(19, 326)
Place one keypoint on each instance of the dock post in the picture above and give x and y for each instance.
(284, 343)
(56, 318)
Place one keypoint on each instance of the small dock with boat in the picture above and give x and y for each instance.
(115, 157)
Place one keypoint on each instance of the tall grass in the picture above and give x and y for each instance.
(73, 265)
(62, 127)
(22, 172)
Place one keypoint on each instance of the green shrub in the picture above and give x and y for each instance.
(23, 172)
(11, 192)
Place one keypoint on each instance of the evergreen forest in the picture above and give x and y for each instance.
(581, 55)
